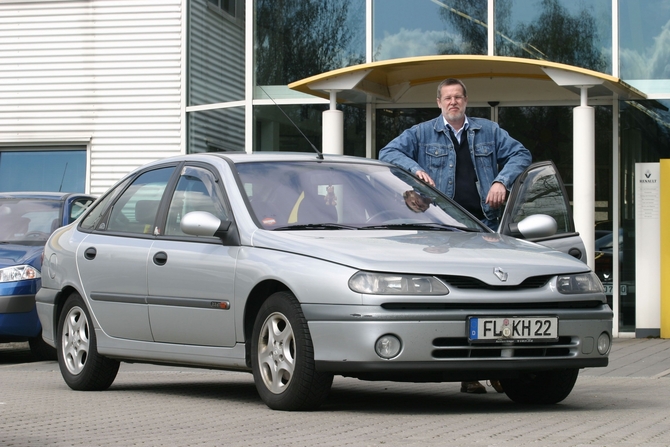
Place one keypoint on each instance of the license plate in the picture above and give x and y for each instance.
(481, 329)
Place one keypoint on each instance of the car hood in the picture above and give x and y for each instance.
(425, 252)
(11, 254)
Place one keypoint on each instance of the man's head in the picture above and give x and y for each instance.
(452, 99)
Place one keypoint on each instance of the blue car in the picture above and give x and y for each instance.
(27, 219)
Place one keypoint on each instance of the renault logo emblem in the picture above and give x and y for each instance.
(500, 273)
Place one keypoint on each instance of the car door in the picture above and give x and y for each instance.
(112, 259)
(191, 279)
(540, 190)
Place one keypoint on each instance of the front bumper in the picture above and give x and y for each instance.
(18, 317)
(435, 344)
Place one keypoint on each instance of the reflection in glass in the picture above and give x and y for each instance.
(215, 56)
(292, 195)
(296, 39)
(216, 130)
(43, 170)
(273, 131)
(644, 39)
(565, 31)
(406, 28)
(645, 132)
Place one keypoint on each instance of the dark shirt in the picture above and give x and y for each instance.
(465, 183)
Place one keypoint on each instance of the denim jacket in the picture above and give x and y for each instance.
(497, 157)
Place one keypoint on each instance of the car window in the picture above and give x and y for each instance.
(29, 220)
(136, 209)
(541, 193)
(197, 190)
(284, 195)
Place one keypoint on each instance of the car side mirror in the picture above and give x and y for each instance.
(202, 223)
(535, 226)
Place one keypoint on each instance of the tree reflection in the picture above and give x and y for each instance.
(300, 38)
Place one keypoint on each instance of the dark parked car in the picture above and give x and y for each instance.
(27, 219)
(296, 267)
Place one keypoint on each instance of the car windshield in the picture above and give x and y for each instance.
(28, 221)
(337, 195)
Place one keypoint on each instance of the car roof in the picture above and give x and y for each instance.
(45, 195)
(244, 157)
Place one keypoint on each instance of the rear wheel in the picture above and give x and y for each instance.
(80, 364)
(544, 387)
(283, 357)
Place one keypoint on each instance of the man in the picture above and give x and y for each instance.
(471, 160)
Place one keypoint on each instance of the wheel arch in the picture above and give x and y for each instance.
(258, 295)
(59, 303)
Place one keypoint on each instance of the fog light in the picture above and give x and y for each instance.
(388, 346)
(604, 343)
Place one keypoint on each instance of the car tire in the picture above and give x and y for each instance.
(41, 350)
(544, 387)
(282, 357)
(80, 364)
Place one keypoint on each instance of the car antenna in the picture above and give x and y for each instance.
(319, 155)
(63, 179)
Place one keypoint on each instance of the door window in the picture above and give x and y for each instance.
(196, 190)
(541, 191)
(136, 209)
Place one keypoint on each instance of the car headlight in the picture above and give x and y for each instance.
(18, 273)
(396, 284)
(579, 283)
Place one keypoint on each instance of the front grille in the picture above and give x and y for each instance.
(539, 305)
(460, 348)
(467, 282)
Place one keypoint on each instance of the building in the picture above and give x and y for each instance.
(90, 89)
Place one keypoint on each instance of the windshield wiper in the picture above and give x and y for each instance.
(421, 226)
(319, 226)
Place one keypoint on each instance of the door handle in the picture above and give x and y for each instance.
(160, 258)
(90, 253)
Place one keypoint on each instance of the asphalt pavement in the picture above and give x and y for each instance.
(625, 404)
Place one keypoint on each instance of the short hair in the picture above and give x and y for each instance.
(451, 81)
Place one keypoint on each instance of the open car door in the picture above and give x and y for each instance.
(540, 190)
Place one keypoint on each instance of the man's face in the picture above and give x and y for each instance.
(452, 102)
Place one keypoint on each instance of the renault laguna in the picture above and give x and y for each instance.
(299, 267)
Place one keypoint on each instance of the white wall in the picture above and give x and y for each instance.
(108, 70)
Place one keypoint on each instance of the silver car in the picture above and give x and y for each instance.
(297, 267)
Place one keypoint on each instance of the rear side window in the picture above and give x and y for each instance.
(136, 209)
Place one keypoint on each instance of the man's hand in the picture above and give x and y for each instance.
(496, 196)
(425, 177)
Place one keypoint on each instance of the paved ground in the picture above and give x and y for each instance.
(625, 404)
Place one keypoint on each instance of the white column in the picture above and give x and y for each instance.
(333, 128)
(583, 185)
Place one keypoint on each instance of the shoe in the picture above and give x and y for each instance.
(496, 386)
(473, 387)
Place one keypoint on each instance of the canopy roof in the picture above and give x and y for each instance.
(412, 81)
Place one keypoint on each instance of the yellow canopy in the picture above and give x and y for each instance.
(413, 81)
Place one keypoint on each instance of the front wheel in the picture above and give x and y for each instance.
(80, 364)
(544, 387)
(282, 357)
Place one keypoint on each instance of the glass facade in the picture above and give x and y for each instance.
(571, 32)
(407, 28)
(295, 39)
(644, 44)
